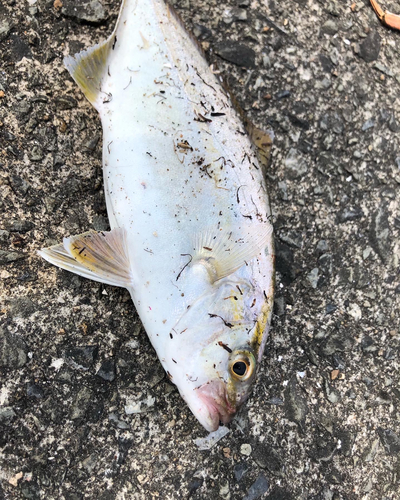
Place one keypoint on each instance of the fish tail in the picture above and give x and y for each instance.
(89, 67)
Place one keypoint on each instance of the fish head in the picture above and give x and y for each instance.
(221, 396)
(214, 349)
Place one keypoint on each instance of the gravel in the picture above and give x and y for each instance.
(322, 421)
(13, 350)
(257, 489)
(91, 11)
(370, 47)
(236, 53)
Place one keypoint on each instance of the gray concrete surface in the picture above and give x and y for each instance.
(323, 420)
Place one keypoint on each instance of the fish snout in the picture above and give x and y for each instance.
(214, 396)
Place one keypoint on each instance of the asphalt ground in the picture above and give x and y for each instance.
(323, 420)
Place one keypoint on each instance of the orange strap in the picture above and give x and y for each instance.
(387, 18)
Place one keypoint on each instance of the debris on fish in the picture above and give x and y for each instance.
(191, 236)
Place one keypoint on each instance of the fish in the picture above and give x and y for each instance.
(191, 236)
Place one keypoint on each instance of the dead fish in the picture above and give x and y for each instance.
(191, 236)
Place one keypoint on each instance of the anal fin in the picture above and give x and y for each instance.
(90, 66)
(99, 256)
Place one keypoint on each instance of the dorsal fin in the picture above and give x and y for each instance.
(261, 139)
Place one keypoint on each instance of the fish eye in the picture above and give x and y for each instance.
(242, 365)
(240, 368)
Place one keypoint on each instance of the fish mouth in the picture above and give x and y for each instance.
(218, 408)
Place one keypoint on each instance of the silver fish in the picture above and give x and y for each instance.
(191, 236)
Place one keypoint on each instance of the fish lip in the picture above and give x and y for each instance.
(214, 395)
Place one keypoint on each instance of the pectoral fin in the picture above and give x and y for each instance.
(99, 256)
(228, 251)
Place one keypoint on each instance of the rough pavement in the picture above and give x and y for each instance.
(85, 409)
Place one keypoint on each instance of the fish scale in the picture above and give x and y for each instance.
(191, 237)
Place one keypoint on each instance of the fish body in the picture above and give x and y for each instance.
(190, 236)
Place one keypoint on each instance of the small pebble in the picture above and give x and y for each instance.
(245, 449)
(334, 374)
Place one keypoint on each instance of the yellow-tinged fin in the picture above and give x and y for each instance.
(262, 141)
(226, 251)
(99, 256)
(89, 66)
